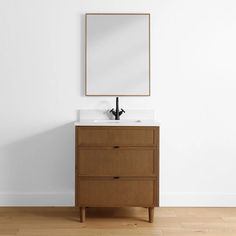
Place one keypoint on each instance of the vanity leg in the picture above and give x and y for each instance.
(151, 214)
(82, 214)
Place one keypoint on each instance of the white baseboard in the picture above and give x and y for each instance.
(198, 199)
(37, 199)
(166, 199)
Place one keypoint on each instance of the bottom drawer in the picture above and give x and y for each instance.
(117, 192)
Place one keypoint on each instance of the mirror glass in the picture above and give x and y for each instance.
(117, 54)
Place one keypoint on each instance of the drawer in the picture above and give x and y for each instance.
(117, 162)
(116, 136)
(118, 192)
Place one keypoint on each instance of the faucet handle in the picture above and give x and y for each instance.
(121, 111)
(113, 111)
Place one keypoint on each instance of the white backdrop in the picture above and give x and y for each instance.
(193, 94)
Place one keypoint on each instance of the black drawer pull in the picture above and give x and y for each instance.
(116, 147)
(116, 177)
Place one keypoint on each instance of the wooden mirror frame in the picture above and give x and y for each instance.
(149, 51)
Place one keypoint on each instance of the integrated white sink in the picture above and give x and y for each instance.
(129, 118)
(117, 121)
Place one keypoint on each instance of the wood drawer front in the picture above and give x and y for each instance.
(117, 162)
(118, 192)
(116, 136)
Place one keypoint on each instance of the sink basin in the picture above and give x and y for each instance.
(117, 121)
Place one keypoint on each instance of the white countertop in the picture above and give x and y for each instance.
(117, 123)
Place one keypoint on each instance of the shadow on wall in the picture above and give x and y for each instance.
(43, 163)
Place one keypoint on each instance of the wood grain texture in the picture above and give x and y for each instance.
(118, 162)
(117, 222)
(116, 192)
(117, 166)
(115, 136)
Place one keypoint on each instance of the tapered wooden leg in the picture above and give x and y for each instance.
(151, 214)
(82, 214)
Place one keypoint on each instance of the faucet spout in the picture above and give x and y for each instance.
(117, 108)
(117, 113)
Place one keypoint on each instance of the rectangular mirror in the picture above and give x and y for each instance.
(117, 54)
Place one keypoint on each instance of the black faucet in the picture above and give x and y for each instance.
(117, 113)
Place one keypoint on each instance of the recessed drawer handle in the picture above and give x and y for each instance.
(116, 147)
(116, 177)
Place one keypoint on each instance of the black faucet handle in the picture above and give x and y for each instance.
(113, 111)
(121, 111)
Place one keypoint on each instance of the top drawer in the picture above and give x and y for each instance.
(117, 136)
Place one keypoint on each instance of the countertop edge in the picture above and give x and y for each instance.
(140, 124)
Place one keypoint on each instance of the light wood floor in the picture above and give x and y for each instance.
(118, 221)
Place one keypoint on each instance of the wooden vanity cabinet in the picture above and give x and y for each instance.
(117, 167)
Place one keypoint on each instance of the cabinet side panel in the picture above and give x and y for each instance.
(157, 164)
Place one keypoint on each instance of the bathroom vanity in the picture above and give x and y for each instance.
(117, 161)
(117, 165)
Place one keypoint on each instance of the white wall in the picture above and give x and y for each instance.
(193, 93)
